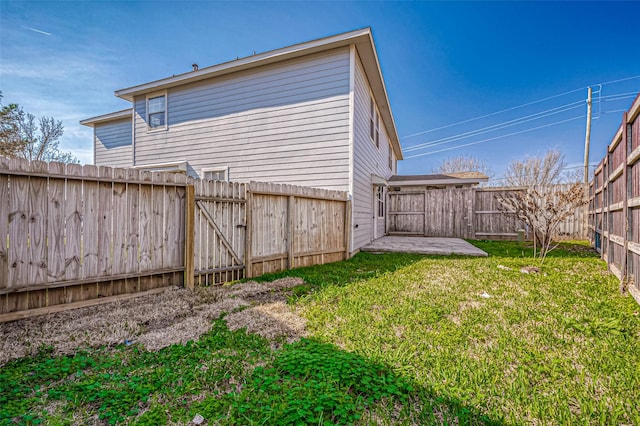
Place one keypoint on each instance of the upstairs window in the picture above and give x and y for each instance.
(391, 158)
(374, 124)
(157, 111)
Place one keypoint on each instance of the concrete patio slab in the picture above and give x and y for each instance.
(423, 245)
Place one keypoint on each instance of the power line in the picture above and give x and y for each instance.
(494, 138)
(619, 80)
(493, 113)
(521, 106)
(499, 126)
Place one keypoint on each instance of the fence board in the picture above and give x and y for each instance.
(90, 222)
(105, 231)
(18, 226)
(55, 225)
(120, 222)
(73, 213)
(4, 224)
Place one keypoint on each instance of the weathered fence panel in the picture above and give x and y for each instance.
(473, 213)
(64, 231)
(70, 234)
(293, 226)
(614, 205)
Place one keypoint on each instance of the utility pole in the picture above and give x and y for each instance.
(586, 141)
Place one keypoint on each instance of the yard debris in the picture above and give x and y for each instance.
(198, 419)
(175, 316)
(530, 270)
(485, 295)
(506, 268)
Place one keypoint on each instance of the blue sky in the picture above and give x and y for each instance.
(443, 63)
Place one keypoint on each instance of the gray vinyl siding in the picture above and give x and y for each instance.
(367, 160)
(284, 123)
(112, 142)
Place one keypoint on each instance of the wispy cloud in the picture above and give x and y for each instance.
(35, 30)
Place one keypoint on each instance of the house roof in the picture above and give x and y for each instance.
(362, 39)
(112, 116)
(439, 179)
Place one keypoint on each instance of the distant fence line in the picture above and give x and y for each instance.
(614, 206)
(472, 213)
(73, 235)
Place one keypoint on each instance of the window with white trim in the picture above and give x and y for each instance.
(380, 197)
(374, 123)
(157, 111)
(391, 158)
(215, 173)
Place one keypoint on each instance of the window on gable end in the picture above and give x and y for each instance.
(157, 111)
(374, 123)
(391, 158)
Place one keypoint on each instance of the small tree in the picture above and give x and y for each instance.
(21, 135)
(536, 170)
(543, 211)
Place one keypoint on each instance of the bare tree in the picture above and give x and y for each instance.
(536, 170)
(544, 211)
(463, 163)
(22, 135)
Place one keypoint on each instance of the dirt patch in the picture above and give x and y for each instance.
(270, 321)
(174, 316)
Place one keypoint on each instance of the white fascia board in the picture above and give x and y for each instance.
(112, 116)
(435, 182)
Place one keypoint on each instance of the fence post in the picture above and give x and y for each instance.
(626, 178)
(189, 265)
(347, 228)
(248, 260)
(290, 236)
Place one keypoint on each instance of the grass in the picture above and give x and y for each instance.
(394, 339)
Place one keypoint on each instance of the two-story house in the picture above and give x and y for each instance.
(314, 114)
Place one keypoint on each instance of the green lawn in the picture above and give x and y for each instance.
(393, 339)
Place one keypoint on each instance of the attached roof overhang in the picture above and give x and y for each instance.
(448, 179)
(362, 39)
(112, 116)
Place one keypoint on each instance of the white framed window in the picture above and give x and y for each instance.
(374, 123)
(215, 173)
(157, 111)
(391, 158)
(380, 198)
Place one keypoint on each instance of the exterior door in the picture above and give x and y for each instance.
(378, 212)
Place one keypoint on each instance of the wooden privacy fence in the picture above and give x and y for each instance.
(472, 213)
(74, 235)
(70, 233)
(614, 206)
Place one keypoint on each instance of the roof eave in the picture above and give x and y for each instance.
(248, 62)
(112, 116)
(423, 182)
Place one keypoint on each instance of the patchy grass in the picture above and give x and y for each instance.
(390, 339)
